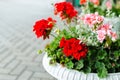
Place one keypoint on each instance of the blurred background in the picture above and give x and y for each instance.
(18, 44)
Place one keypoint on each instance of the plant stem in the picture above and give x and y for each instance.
(69, 28)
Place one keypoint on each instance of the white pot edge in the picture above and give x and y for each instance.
(57, 71)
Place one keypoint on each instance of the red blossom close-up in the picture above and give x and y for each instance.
(83, 1)
(43, 27)
(65, 10)
(73, 47)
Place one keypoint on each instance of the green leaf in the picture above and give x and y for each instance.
(87, 69)
(79, 64)
(102, 54)
(52, 62)
(69, 65)
(59, 53)
(67, 59)
(117, 53)
(101, 69)
(102, 73)
(66, 34)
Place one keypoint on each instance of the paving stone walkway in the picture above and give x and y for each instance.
(18, 45)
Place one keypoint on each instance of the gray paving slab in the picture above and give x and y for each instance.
(18, 45)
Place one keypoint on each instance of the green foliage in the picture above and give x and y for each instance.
(116, 11)
(55, 52)
(86, 35)
(92, 9)
(66, 34)
(101, 69)
(69, 65)
(102, 9)
(79, 65)
(102, 54)
(52, 61)
(87, 69)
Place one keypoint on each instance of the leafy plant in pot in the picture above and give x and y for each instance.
(86, 44)
(107, 8)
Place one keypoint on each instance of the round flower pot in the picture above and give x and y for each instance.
(62, 73)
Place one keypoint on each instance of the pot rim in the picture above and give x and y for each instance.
(58, 65)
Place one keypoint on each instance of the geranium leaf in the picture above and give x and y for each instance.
(69, 65)
(79, 64)
(102, 54)
(87, 69)
(101, 69)
(102, 73)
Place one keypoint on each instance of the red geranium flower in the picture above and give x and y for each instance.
(74, 48)
(65, 9)
(83, 1)
(43, 27)
(62, 42)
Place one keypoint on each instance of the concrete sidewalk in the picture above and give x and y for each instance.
(18, 45)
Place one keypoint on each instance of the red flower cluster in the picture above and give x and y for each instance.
(43, 27)
(65, 9)
(73, 47)
(83, 1)
(95, 2)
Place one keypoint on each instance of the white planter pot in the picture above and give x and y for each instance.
(62, 73)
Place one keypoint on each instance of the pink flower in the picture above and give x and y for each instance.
(99, 19)
(101, 35)
(113, 35)
(106, 27)
(96, 2)
(87, 19)
(93, 19)
(108, 4)
(106, 30)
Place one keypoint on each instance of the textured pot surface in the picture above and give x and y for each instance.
(62, 73)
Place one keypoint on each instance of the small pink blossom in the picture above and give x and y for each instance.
(108, 4)
(93, 19)
(99, 19)
(87, 19)
(106, 30)
(113, 35)
(106, 27)
(96, 2)
(101, 35)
